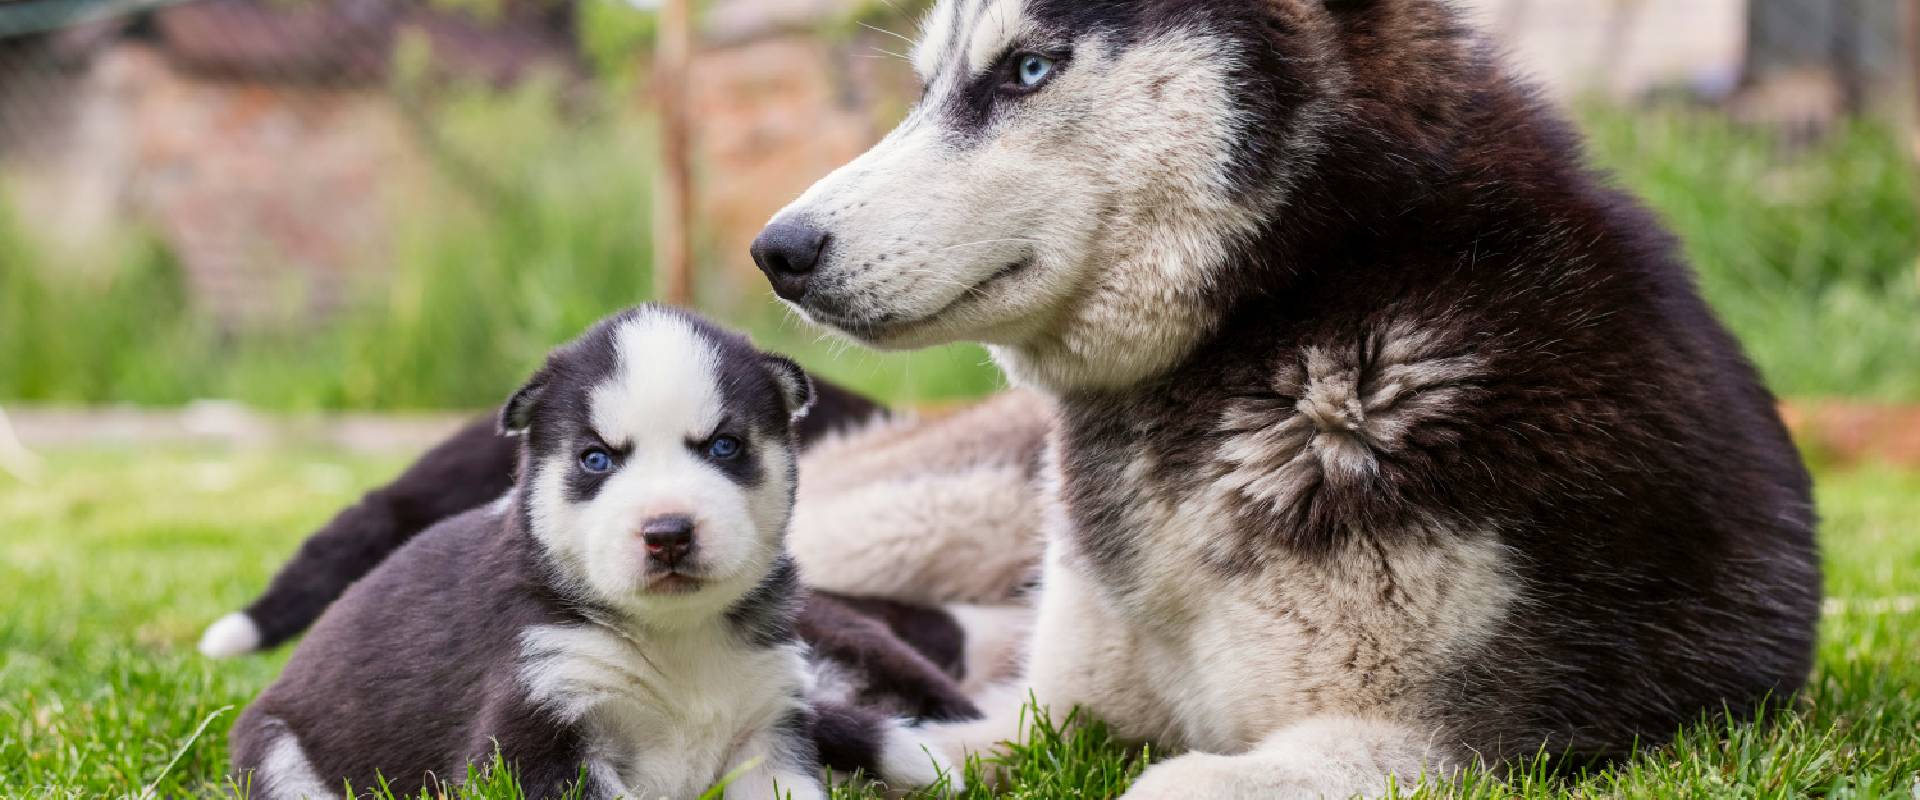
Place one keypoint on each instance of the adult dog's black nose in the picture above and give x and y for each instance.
(669, 538)
(787, 251)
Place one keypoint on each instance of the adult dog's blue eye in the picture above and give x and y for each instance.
(723, 448)
(1031, 69)
(596, 461)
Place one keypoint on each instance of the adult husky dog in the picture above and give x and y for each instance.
(1381, 436)
(1388, 438)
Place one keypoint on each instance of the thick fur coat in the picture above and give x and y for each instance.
(1376, 435)
(1389, 437)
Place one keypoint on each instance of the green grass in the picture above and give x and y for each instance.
(117, 559)
(540, 226)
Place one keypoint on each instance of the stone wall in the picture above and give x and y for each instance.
(270, 196)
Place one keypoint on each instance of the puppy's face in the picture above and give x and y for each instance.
(659, 463)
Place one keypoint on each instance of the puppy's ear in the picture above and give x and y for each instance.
(517, 415)
(796, 389)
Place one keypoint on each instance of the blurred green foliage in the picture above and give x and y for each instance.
(1812, 256)
(538, 225)
(541, 225)
(546, 232)
(125, 331)
(615, 36)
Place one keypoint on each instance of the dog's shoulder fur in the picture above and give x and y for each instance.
(1460, 370)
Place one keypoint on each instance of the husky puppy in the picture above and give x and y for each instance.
(471, 468)
(624, 617)
(886, 505)
(1388, 437)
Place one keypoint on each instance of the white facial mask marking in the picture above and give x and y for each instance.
(663, 395)
(937, 30)
(996, 29)
(1108, 193)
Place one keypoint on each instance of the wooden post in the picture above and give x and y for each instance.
(1913, 114)
(673, 200)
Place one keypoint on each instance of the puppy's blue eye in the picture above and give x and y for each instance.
(1031, 69)
(723, 448)
(596, 461)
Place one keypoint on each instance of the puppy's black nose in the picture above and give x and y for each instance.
(787, 251)
(669, 538)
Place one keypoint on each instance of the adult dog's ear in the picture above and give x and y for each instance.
(517, 416)
(796, 389)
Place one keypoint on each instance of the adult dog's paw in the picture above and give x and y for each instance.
(1200, 775)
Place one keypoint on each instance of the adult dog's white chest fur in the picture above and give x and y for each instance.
(667, 718)
(1190, 657)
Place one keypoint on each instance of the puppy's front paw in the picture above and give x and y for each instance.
(910, 759)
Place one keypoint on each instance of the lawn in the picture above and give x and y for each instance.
(115, 561)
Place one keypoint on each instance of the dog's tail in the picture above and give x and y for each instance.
(925, 662)
(469, 469)
(854, 739)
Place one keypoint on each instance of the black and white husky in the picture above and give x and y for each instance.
(1381, 436)
(1388, 438)
(623, 617)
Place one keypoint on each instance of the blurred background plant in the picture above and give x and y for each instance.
(400, 204)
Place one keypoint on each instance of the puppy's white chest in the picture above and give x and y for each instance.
(660, 721)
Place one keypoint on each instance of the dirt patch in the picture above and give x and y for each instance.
(1854, 433)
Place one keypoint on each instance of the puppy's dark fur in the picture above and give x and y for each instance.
(420, 669)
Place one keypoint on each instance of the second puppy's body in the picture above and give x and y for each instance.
(623, 619)
(473, 651)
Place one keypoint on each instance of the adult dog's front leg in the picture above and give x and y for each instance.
(1080, 655)
(1323, 757)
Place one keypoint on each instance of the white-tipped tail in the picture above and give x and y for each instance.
(906, 760)
(231, 635)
